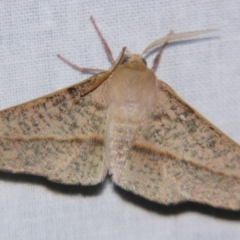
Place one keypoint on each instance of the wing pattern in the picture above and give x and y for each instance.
(59, 136)
(180, 156)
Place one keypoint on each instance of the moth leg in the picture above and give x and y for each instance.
(158, 57)
(106, 47)
(91, 70)
(83, 70)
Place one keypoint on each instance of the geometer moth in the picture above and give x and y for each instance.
(126, 123)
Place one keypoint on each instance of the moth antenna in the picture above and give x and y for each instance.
(105, 45)
(101, 80)
(81, 69)
(174, 38)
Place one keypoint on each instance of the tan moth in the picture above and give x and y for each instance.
(126, 123)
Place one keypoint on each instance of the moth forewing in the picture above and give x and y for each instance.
(60, 135)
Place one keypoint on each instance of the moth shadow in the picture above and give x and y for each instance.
(18, 178)
(177, 209)
(125, 195)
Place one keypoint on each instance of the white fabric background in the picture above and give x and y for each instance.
(205, 73)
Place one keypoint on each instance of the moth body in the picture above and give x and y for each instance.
(132, 90)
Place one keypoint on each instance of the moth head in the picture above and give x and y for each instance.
(133, 59)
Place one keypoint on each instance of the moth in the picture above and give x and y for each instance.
(126, 123)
